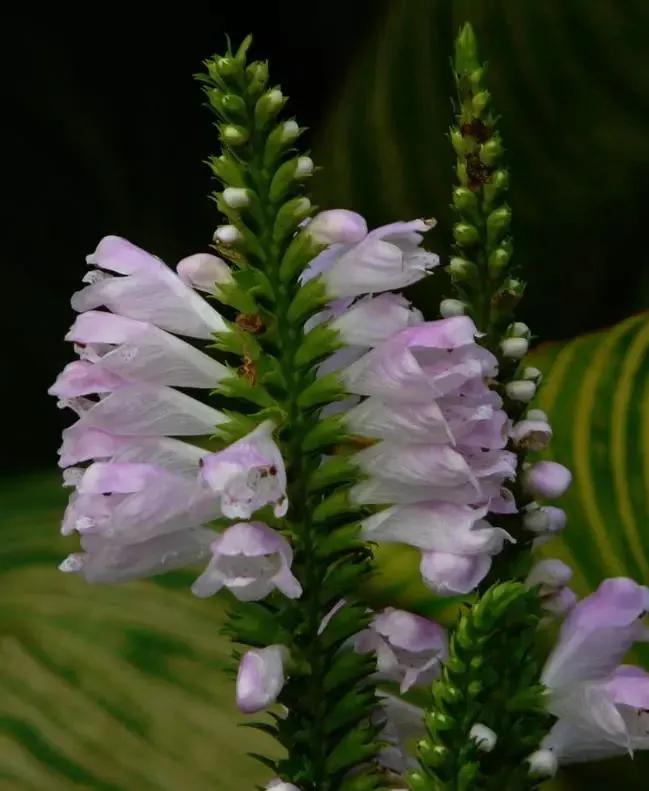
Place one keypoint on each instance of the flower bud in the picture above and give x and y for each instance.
(227, 234)
(460, 269)
(547, 479)
(498, 261)
(257, 74)
(532, 374)
(536, 518)
(465, 234)
(491, 151)
(543, 763)
(498, 222)
(304, 167)
(452, 307)
(518, 330)
(457, 141)
(232, 135)
(225, 66)
(485, 739)
(236, 197)
(465, 200)
(337, 226)
(550, 573)
(290, 131)
(514, 348)
(233, 106)
(479, 102)
(531, 433)
(520, 390)
(536, 414)
(260, 678)
(268, 106)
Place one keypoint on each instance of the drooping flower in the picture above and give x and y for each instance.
(409, 648)
(143, 491)
(251, 560)
(260, 678)
(386, 258)
(248, 474)
(600, 704)
(401, 723)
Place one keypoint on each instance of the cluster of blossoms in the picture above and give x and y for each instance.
(361, 423)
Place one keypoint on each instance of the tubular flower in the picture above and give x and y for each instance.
(601, 705)
(440, 457)
(140, 504)
(260, 678)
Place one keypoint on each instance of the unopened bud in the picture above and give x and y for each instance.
(465, 200)
(290, 131)
(533, 374)
(514, 348)
(452, 307)
(536, 414)
(498, 222)
(304, 167)
(480, 102)
(268, 105)
(233, 135)
(491, 151)
(518, 330)
(257, 74)
(498, 261)
(543, 763)
(233, 106)
(536, 519)
(460, 269)
(520, 390)
(236, 197)
(465, 234)
(227, 234)
(485, 739)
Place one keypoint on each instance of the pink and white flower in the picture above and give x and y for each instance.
(251, 560)
(552, 576)
(248, 474)
(601, 705)
(409, 649)
(143, 491)
(386, 258)
(260, 678)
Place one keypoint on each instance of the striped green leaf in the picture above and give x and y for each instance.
(108, 688)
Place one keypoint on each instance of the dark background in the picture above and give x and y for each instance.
(107, 134)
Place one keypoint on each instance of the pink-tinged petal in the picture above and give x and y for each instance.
(203, 271)
(427, 361)
(547, 479)
(140, 352)
(108, 561)
(260, 678)
(449, 575)
(147, 290)
(381, 491)
(248, 474)
(107, 478)
(250, 559)
(401, 723)
(337, 226)
(411, 632)
(151, 410)
(371, 320)
(503, 503)
(415, 464)
(399, 421)
(598, 632)
(436, 526)
(80, 378)
(171, 454)
(550, 573)
(629, 686)
(561, 602)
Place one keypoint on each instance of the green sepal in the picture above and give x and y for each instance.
(336, 470)
(320, 342)
(235, 296)
(347, 622)
(283, 181)
(492, 151)
(268, 106)
(254, 624)
(335, 505)
(466, 51)
(310, 298)
(301, 251)
(324, 390)
(339, 540)
(466, 234)
(228, 170)
(277, 144)
(237, 387)
(257, 75)
(349, 709)
(498, 223)
(354, 748)
(368, 781)
(289, 217)
(237, 341)
(349, 668)
(238, 426)
(233, 134)
(255, 283)
(330, 430)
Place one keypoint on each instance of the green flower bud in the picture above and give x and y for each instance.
(465, 200)
(233, 107)
(257, 74)
(491, 151)
(457, 141)
(268, 106)
(465, 234)
(461, 173)
(498, 261)
(476, 77)
(479, 102)
(228, 170)
(462, 270)
(290, 216)
(227, 66)
(498, 224)
(518, 329)
(432, 755)
(232, 135)
(466, 51)
(236, 197)
(417, 782)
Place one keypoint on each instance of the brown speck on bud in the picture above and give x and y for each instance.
(477, 172)
(477, 129)
(250, 322)
(248, 371)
